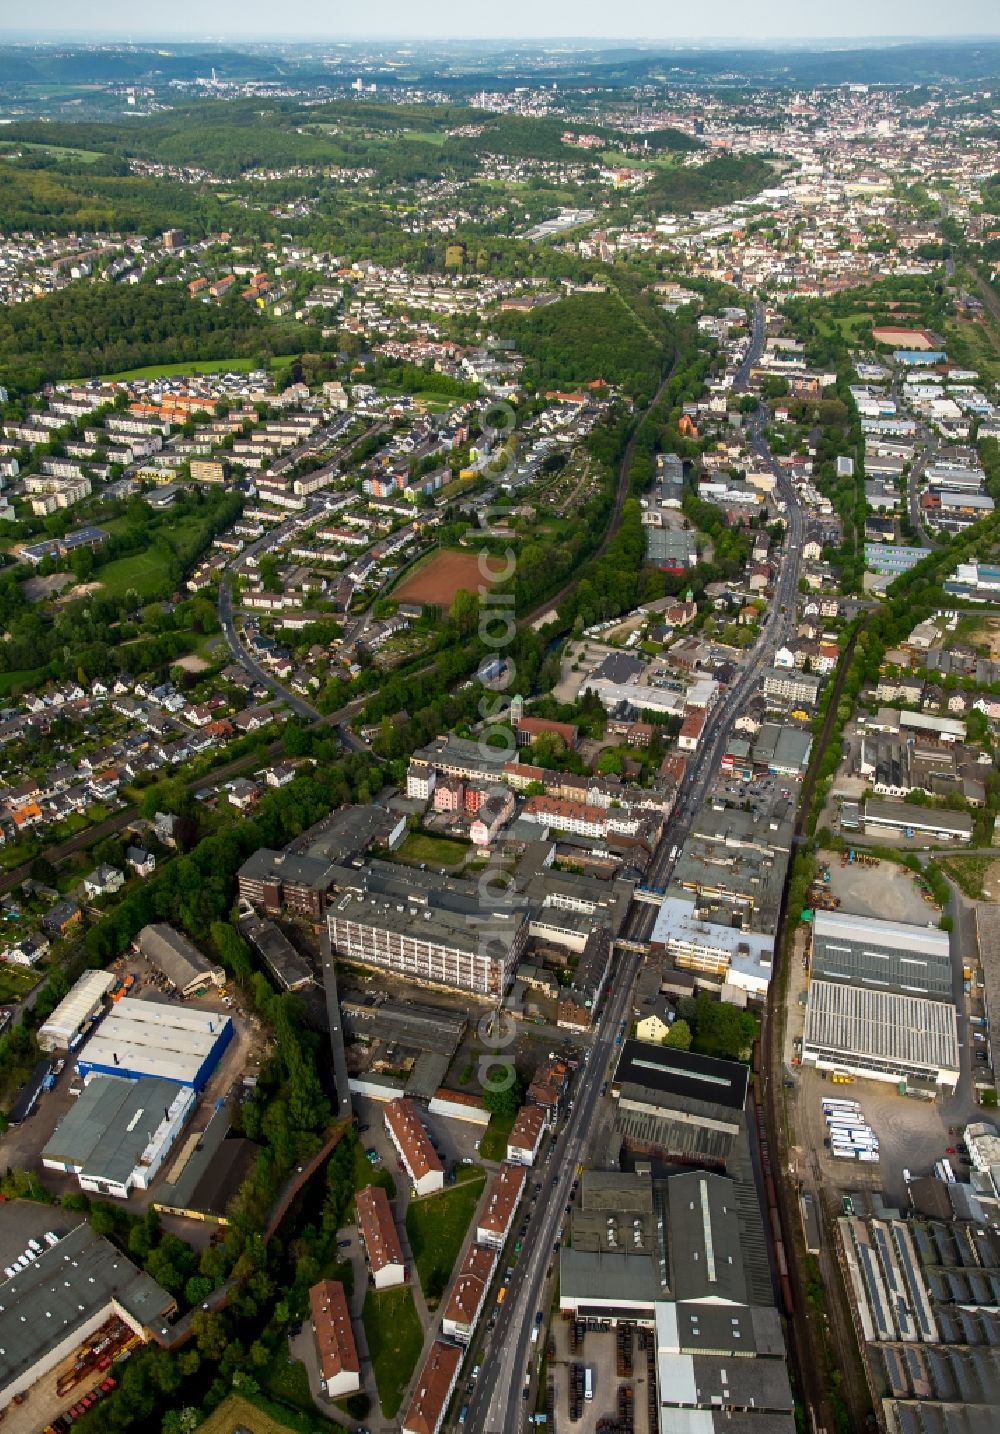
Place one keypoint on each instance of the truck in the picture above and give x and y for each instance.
(588, 1382)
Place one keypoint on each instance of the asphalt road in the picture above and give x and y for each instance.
(496, 1405)
(925, 458)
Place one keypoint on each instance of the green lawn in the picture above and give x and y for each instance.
(493, 1145)
(59, 151)
(174, 370)
(146, 572)
(16, 981)
(434, 850)
(436, 1226)
(395, 1339)
(23, 680)
(367, 1174)
(286, 1379)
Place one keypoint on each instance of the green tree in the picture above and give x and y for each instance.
(679, 1037)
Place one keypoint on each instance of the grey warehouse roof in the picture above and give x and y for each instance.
(62, 1292)
(106, 1129)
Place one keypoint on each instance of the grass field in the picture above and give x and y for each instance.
(178, 370)
(493, 1145)
(146, 572)
(852, 326)
(286, 1379)
(25, 678)
(434, 850)
(436, 1226)
(16, 982)
(237, 1412)
(58, 151)
(395, 1340)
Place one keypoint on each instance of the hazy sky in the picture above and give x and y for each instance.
(656, 19)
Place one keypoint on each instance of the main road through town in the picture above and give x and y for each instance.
(496, 1405)
(509, 1358)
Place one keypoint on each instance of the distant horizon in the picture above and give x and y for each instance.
(131, 36)
(758, 23)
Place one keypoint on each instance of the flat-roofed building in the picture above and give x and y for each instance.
(907, 819)
(713, 948)
(433, 1389)
(407, 1133)
(157, 1038)
(525, 1138)
(379, 1237)
(277, 881)
(75, 1011)
(455, 945)
(689, 1106)
(468, 1294)
(336, 1351)
(177, 959)
(66, 1295)
(882, 955)
(502, 1199)
(881, 1034)
(117, 1133)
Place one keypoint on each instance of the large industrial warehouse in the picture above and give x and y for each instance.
(75, 1011)
(117, 1133)
(57, 1303)
(155, 1038)
(881, 1034)
(882, 955)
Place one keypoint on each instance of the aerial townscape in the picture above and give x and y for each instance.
(499, 727)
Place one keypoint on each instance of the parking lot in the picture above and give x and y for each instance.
(598, 1351)
(25, 1220)
(912, 1135)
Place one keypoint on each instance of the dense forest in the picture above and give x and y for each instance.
(587, 337)
(103, 328)
(38, 194)
(719, 181)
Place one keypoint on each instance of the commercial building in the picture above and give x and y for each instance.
(924, 1296)
(791, 687)
(881, 1034)
(379, 1237)
(890, 559)
(502, 1199)
(208, 1169)
(291, 970)
(525, 1138)
(688, 1106)
(76, 1011)
(336, 1351)
(468, 1294)
(413, 1144)
(686, 1257)
(433, 1389)
(277, 881)
(882, 955)
(906, 819)
(155, 1038)
(713, 948)
(117, 1133)
(66, 1295)
(180, 962)
(455, 944)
